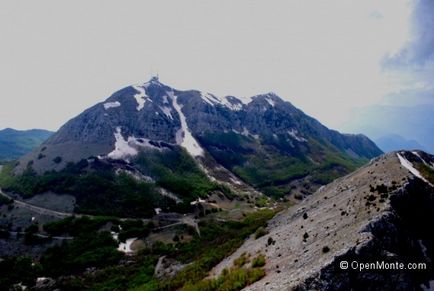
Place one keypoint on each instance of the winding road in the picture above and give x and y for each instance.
(37, 209)
(45, 211)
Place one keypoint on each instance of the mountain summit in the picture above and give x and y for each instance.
(263, 141)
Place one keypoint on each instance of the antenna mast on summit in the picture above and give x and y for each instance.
(154, 75)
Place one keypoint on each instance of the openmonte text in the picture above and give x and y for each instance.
(381, 265)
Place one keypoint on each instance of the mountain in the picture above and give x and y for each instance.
(394, 142)
(262, 142)
(382, 212)
(413, 122)
(15, 143)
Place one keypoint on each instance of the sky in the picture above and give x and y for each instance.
(58, 58)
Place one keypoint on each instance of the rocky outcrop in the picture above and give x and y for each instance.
(381, 213)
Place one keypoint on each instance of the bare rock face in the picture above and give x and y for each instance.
(382, 213)
(167, 268)
(45, 284)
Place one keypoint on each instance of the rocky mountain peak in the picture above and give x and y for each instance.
(235, 133)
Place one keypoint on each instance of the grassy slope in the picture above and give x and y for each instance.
(100, 191)
(93, 247)
(272, 162)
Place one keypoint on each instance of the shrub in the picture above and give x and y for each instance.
(5, 200)
(261, 231)
(217, 241)
(229, 280)
(96, 250)
(259, 261)
(241, 261)
(270, 241)
(4, 234)
(57, 160)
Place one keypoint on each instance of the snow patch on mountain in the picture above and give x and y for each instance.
(122, 147)
(209, 98)
(136, 175)
(126, 246)
(245, 131)
(167, 111)
(270, 101)
(184, 136)
(294, 134)
(245, 100)
(109, 105)
(141, 97)
(224, 101)
(125, 148)
(409, 166)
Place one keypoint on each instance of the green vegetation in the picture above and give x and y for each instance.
(272, 162)
(76, 226)
(31, 236)
(100, 191)
(91, 247)
(236, 278)
(230, 280)
(177, 172)
(88, 250)
(97, 188)
(241, 261)
(217, 240)
(261, 231)
(426, 171)
(134, 228)
(140, 270)
(259, 261)
(5, 200)
(18, 269)
(94, 248)
(261, 201)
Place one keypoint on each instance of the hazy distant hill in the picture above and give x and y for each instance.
(394, 142)
(411, 122)
(15, 143)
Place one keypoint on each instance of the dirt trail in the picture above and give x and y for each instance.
(184, 220)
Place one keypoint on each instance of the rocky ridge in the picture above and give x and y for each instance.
(381, 212)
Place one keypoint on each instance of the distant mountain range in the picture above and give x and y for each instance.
(15, 143)
(412, 122)
(394, 142)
